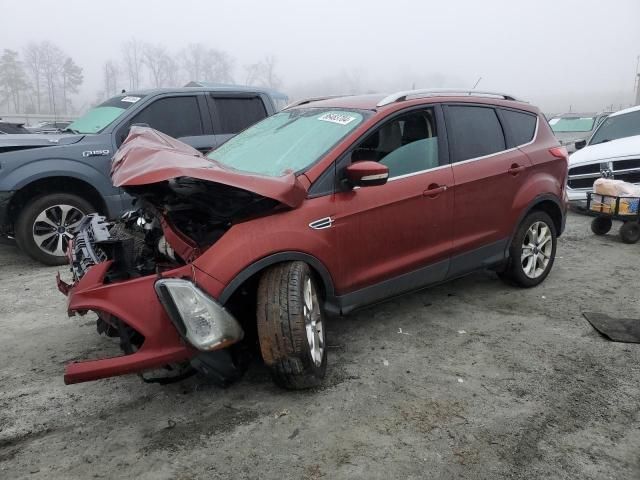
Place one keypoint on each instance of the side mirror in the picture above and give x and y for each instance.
(367, 174)
(580, 144)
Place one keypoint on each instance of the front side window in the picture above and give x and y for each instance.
(236, 114)
(407, 144)
(617, 126)
(473, 132)
(571, 124)
(100, 117)
(175, 116)
(288, 141)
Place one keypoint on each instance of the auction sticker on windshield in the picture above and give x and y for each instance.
(339, 118)
(130, 99)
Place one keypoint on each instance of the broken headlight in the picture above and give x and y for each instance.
(204, 322)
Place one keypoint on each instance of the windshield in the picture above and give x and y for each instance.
(617, 126)
(287, 141)
(98, 118)
(571, 124)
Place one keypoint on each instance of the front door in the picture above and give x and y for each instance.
(396, 237)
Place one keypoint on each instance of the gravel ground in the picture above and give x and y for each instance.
(472, 379)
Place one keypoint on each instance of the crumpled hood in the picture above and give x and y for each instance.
(38, 140)
(148, 156)
(623, 147)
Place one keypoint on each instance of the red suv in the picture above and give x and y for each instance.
(322, 208)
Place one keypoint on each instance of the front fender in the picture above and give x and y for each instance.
(28, 172)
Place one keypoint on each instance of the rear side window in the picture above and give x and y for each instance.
(473, 132)
(175, 116)
(236, 114)
(520, 127)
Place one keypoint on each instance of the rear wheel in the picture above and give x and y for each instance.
(291, 326)
(532, 251)
(630, 232)
(601, 225)
(45, 226)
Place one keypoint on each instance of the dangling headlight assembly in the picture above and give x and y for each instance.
(205, 323)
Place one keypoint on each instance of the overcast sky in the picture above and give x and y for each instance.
(555, 53)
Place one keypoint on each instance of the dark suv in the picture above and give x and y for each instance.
(322, 208)
(48, 182)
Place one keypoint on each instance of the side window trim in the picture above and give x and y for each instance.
(319, 188)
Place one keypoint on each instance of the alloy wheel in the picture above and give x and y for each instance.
(537, 248)
(313, 322)
(53, 228)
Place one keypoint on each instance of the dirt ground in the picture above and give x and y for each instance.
(472, 379)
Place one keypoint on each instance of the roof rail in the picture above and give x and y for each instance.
(441, 92)
(304, 101)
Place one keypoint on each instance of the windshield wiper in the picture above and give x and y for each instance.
(601, 141)
(71, 130)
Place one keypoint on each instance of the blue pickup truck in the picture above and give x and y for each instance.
(49, 182)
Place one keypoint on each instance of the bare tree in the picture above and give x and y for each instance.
(110, 77)
(13, 80)
(202, 63)
(52, 63)
(133, 62)
(156, 59)
(193, 60)
(33, 61)
(263, 73)
(218, 66)
(72, 78)
(173, 71)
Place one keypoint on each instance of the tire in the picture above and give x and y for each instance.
(49, 249)
(630, 232)
(601, 225)
(284, 317)
(519, 270)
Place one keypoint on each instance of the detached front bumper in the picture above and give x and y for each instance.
(136, 304)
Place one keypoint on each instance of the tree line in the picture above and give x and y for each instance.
(42, 78)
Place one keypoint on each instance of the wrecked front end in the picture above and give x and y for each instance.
(137, 275)
(151, 298)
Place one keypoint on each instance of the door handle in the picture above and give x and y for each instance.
(516, 169)
(434, 190)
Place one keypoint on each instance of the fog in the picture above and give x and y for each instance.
(574, 54)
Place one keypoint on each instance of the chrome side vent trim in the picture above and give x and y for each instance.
(322, 223)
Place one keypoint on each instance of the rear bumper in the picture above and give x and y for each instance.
(136, 304)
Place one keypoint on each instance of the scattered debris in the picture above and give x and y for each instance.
(403, 333)
(385, 362)
(462, 332)
(281, 413)
(294, 434)
(170, 424)
(615, 329)
(460, 380)
(543, 297)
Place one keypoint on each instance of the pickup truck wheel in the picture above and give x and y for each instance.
(532, 251)
(291, 326)
(45, 225)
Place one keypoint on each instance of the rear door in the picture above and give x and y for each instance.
(232, 113)
(488, 172)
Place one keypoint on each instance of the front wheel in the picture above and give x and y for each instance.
(291, 326)
(532, 251)
(46, 223)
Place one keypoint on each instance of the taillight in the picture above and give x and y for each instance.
(559, 152)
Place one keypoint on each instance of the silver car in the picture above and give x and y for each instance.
(570, 128)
